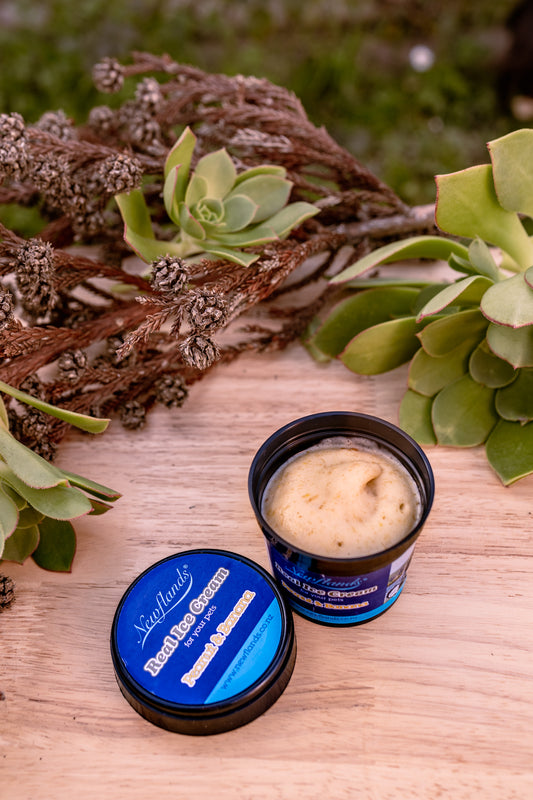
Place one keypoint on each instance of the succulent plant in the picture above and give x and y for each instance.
(216, 211)
(469, 342)
(38, 500)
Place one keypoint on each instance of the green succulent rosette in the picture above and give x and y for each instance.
(38, 501)
(469, 342)
(215, 210)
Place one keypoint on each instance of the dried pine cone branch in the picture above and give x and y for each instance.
(111, 339)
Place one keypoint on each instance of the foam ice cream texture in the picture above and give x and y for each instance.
(344, 498)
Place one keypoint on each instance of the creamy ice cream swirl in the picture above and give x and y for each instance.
(342, 500)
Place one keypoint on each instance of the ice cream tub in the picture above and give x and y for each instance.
(341, 498)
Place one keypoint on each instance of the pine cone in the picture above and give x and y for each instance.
(101, 118)
(33, 424)
(120, 174)
(34, 268)
(11, 127)
(13, 156)
(6, 308)
(199, 351)
(133, 415)
(57, 124)
(7, 592)
(148, 95)
(32, 385)
(48, 176)
(207, 311)
(71, 364)
(171, 392)
(169, 275)
(108, 75)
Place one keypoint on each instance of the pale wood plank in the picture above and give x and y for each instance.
(433, 699)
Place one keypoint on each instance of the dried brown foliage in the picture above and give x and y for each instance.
(63, 283)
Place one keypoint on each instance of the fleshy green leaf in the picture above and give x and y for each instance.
(509, 302)
(239, 211)
(514, 345)
(483, 260)
(57, 545)
(463, 265)
(98, 507)
(135, 214)
(15, 496)
(290, 217)
(463, 413)
(170, 195)
(515, 402)
(429, 374)
(512, 164)
(308, 342)
(4, 419)
(89, 424)
(509, 450)
(58, 502)
(29, 466)
(263, 169)
(268, 192)
(21, 544)
(415, 417)
(181, 155)
(219, 173)
(360, 311)
(250, 237)
(29, 517)
(528, 277)
(382, 282)
(9, 515)
(190, 225)
(152, 249)
(467, 291)
(433, 247)
(196, 190)
(487, 368)
(96, 489)
(382, 347)
(467, 206)
(210, 213)
(236, 256)
(426, 294)
(447, 333)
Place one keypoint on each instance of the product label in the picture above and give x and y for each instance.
(199, 628)
(340, 599)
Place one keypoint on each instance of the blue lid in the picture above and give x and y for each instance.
(202, 642)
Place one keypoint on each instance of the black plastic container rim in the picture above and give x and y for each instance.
(302, 433)
(224, 715)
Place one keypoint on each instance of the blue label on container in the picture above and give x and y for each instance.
(199, 628)
(342, 599)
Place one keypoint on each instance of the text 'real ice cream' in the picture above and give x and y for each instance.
(344, 498)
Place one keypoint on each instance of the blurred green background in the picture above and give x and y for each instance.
(408, 86)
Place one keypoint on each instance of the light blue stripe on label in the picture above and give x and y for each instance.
(253, 658)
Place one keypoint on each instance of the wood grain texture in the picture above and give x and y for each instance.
(431, 700)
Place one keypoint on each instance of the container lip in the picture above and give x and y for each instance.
(237, 709)
(331, 561)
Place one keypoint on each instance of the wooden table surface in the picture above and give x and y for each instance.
(434, 699)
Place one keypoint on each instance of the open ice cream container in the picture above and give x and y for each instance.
(348, 588)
